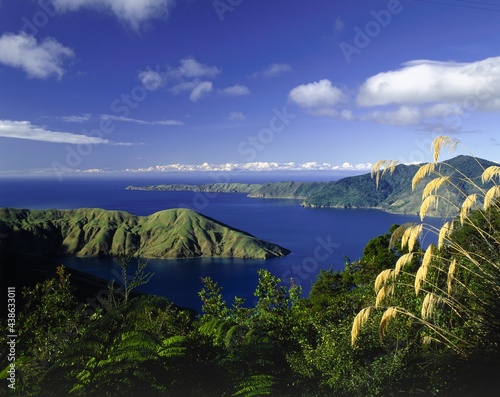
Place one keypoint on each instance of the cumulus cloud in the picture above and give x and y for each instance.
(404, 115)
(191, 68)
(184, 86)
(255, 166)
(38, 59)
(151, 80)
(133, 12)
(428, 95)
(432, 93)
(235, 90)
(236, 116)
(274, 69)
(26, 130)
(320, 94)
(200, 90)
(424, 81)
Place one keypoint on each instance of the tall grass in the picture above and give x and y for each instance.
(456, 288)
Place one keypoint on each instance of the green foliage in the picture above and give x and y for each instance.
(431, 329)
(255, 385)
(175, 233)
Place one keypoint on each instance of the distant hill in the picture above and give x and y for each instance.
(206, 187)
(176, 233)
(394, 193)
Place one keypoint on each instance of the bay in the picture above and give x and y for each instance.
(318, 238)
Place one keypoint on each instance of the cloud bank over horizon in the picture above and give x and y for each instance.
(258, 166)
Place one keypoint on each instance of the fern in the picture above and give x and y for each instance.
(256, 385)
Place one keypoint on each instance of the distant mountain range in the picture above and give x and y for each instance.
(176, 233)
(394, 193)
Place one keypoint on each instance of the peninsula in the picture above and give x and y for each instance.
(168, 234)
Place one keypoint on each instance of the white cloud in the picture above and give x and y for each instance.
(184, 86)
(39, 60)
(200, 90)
(133, 12)
(404, 115)
(138, 121)
(151, 80)
(274, 69)
(320, 94)
(26, 130)
(236, 116)
(235, 90)
(77, 119)
(345, 114)
(432, 94)
(424, 82)
(255, 166)
(191, 68)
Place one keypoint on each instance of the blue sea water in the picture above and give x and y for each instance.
(318, 238)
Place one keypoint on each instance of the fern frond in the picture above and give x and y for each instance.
(256, 385)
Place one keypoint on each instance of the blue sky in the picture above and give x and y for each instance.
(162, 85)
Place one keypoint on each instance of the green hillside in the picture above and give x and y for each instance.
(176, 233)
(395, 194)
(286, 190)
(206, 187)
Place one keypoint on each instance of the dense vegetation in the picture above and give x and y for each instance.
(393, 193)
(176, 233)
(402, 320)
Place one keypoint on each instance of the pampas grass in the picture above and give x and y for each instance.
(381, 167)
(491, 196)
(402, 262)
(422, 172)
(360, 319)
(443, 141)
(446, 269)
(444, 232)
(382, 279)
(490, 174)
(469, 202)
(388, 315)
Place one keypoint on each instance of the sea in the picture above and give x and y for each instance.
(319, 238)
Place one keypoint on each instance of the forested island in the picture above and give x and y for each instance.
(393, 194)
(175, 233)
